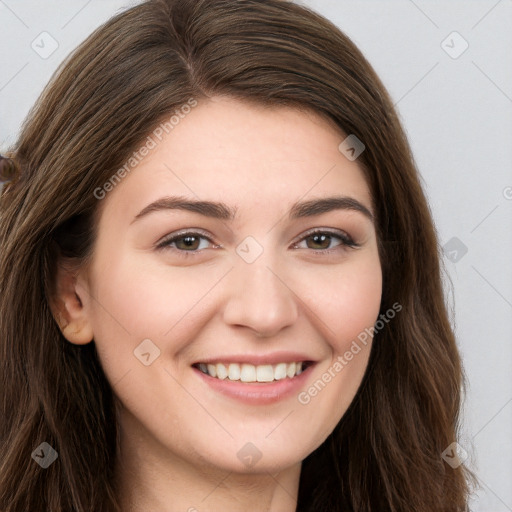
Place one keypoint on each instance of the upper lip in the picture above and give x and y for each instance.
(258, 359)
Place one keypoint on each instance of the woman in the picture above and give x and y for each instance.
(220, 282)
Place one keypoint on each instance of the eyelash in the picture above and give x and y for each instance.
(346, 242)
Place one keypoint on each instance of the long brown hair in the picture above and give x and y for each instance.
(135, 70)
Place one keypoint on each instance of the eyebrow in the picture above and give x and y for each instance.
(219, 210)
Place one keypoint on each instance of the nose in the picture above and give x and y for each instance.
(259, 299)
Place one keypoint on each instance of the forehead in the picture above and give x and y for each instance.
(246, 155)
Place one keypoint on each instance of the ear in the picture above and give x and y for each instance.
(68, 305)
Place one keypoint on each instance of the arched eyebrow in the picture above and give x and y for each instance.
(221, 211)
(215, 210)
(328, 204)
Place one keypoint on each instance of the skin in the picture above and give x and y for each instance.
(180, 438)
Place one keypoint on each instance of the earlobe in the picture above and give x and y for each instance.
(75, 326)
(69, 308)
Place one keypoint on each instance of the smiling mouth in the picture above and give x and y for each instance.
(253, 373)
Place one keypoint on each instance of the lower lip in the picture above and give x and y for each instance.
(257, 393)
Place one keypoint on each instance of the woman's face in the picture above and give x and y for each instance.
(207, 260)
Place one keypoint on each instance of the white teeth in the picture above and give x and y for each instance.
(234, 372)
(211, 369)
(280, 371)
(248, 373)
(251, 373)
(264, 373)
(222, 373)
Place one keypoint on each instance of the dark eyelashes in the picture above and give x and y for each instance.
(346, 241)
(167, 241)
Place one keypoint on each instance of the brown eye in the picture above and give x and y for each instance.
(187, 242)
(320, 241)
(325, 241)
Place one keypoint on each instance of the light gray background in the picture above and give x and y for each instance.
(458, 116)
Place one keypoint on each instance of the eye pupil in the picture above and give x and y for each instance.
(188, 241)
(319, 238)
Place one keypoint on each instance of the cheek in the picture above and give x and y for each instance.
(356, 309)
(346, 300)
(347, 309)
(135, 300)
